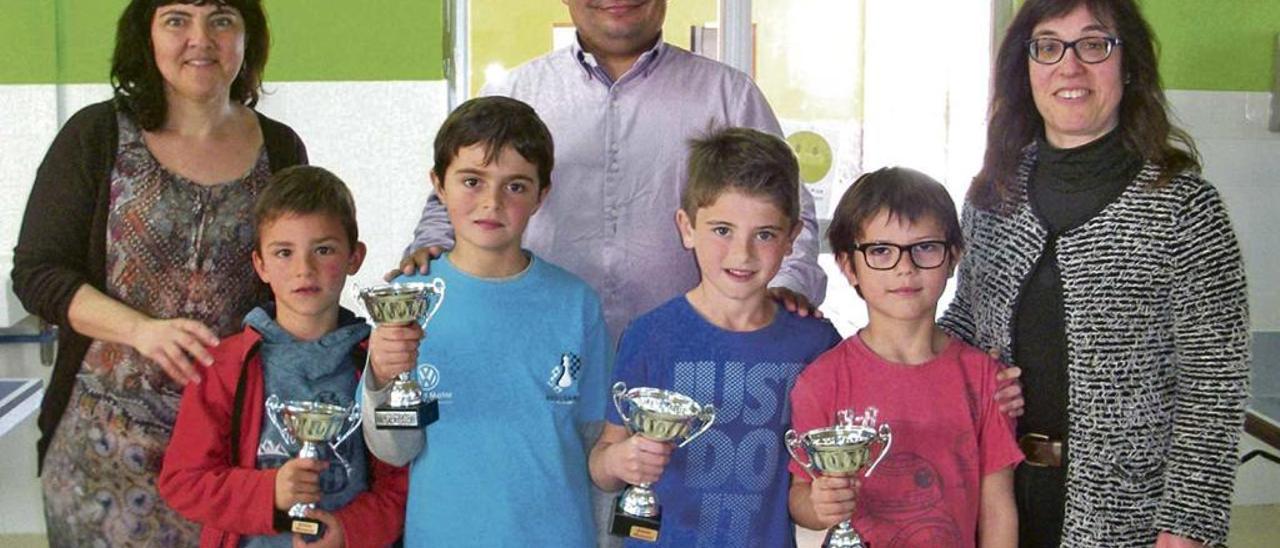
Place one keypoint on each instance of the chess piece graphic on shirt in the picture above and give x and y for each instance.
(317, 429)
(660, 415)
(400, 304)
(563, 375)
(843, 449)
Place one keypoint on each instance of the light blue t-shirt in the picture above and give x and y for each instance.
(519, 365)
(729, 486)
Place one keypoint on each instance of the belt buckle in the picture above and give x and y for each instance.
(1027, 443)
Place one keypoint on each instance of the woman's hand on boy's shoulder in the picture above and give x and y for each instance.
(176, 345)
(1169, 540)
(419, 261)
(794, 302)
(1009, 391)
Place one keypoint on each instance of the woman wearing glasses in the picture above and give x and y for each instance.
(1103, 266)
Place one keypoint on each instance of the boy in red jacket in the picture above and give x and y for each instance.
(229, 465)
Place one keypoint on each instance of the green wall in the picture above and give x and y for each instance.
(70, 41)
(1213, 45)
(1218, 45)
(27, 34)
(1206, 44)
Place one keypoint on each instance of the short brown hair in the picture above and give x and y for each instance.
(303, 190)
(904, 193)
(744, 160)
(498, 122)
(138, 84)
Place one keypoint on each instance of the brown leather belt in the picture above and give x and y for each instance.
(1041, 451)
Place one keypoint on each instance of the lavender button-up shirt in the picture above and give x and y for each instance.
(620, 166)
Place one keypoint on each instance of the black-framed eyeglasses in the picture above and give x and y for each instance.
(1090, 49)
(885, 256)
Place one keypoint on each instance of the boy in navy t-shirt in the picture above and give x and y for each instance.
(727, 343)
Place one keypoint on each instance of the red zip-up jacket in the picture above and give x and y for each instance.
(225, 493)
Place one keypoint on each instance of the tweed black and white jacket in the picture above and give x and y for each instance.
(1158, 348)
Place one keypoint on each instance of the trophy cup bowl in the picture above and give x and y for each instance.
(402, 304)
(660, 415)
(841, 450)
(312, 425)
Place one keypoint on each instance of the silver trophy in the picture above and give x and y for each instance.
(660, 415)
(402, 304)
(312, 426)
(842, 450)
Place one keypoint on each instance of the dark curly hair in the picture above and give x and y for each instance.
(138, 84)
(1014, 121)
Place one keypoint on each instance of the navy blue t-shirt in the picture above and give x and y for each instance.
(729, 486)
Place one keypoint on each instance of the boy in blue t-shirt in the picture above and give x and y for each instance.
(727, 343)
(518, 355)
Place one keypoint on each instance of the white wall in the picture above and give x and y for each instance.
(376, 136)
(1242, 159)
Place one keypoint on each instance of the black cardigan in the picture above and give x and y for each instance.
(63, 241)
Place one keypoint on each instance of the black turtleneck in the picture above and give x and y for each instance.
(1067, 189)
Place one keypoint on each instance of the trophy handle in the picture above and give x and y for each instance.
(353, 421)
(707, 416)
(886, 435)
(437, 285)
(274, 407)
(620, 388)
(792, 441)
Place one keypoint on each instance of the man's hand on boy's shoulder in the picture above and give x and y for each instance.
(417, 262)
(393, 349)
(794, 302)
(334, 534)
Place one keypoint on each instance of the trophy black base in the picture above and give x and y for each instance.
(307, 527)
(401, 418)
(636, 527)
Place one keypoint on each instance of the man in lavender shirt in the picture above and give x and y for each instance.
(621, 105)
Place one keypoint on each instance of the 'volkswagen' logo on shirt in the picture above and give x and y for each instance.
(429, 375)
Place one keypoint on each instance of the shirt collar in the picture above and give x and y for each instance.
(644, 64)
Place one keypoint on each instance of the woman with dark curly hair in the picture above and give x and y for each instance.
(1107, 269)
(145, 262)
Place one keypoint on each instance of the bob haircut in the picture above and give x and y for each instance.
(1015, 123)
(137, 82)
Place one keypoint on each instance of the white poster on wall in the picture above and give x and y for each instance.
(830, 156)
